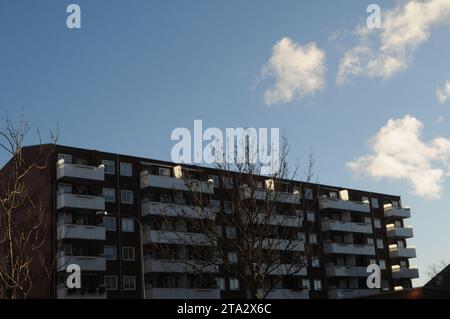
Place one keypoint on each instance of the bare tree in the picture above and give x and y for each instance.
(22, 214)
(436, 268)
(268, 215)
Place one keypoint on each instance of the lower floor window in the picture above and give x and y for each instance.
(129, 283)
(111, 282)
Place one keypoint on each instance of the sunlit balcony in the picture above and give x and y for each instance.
(399, 232)
(351, 249)
(77, 171)
(396, 212)
(71, 231)
(404, 273)
(346, 271)
(402, 252)
(80, 201)
(341, 226)
(177, 238)
(86, 263)
(149, 208)
(181, 184)
(345, 205)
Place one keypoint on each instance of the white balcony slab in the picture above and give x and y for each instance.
(177, 238)
(149, 208)
(181, 293)
(282, 244)
(148, 180)
(287, 269)
(346, 271)
(86, 263)
(400, 232)
(351, 249)
(351, 293)
(335, 225)
(178, 266)
(345, 205)
(270, 195)
(401, 273)
(69, 200)
(397, 212)
(70, 231)
(80, 171)
(407, 252)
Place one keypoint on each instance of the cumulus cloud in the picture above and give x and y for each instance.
(298, 71)
(387, 51)
(443, 94)
(399, 153)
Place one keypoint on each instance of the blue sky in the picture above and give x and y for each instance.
(154, 66)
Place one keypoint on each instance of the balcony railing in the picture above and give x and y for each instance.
(83, 293)
(351, 293)
(345, 205)
(71, 231)
(69, 200)
(79, 171)
(174, 210)
(86, 263)
(351, 249)
(177, 238)
(400, 273)
(397, 212)
(178, 266)
(402, 252)
(342, 226)
(400, 232)
(181, 293)
(282, 244)
(285, 294)
(168, 182)
(346, 271)
(287, 269)
(270, 195)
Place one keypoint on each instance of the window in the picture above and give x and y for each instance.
(164, 172)
(231, 232)
(315, 262)
(311, 216)
(377, 223)
(111, 282)
(306, 284)
(67, 249)
(110, 223)
(129, 282)
(127, 225)
(383, 264)
(109, 167)
(313, 238)
(64, 188)
(370, 241)
(301, 236)
(215, 205)
(308, 193)
(66, 157)
(126, 169)
(398, 223)
(333, 195)
(215, 178)
(109, 194)
(110, 252)
(128, 253)
(380, 243)
(220, 283)
(227, 182)
(232, 257)
(317, 284)
(372, 261)
(169, 282)
(400, 244)
(234, 284)
(365, 199)
(385, 285)
(375, 203)
(228, 207)
(126, 197)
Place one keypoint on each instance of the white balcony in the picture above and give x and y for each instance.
(346, 271)
(270, 195)
(69, 200)
(345, 205)
(282, 244)
(400, 232)
(181, 293)
(408, 273)
(342, 226)
(62, 292)
(350, 249)
(86, 263)
(397, 212)
(148, 180)
(398, 252)
(173, 210)
(351, 293)
(70, 231)
(174, 266)
(286, 294)
(177, 238)
(80, 171)
(287, 269)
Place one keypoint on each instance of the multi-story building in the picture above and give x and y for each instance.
(106, 217)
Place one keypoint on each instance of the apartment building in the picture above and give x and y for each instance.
(106, 216)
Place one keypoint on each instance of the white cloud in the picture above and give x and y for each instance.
(443, 94)
(399, 153)
(387, 51)
(298, 70)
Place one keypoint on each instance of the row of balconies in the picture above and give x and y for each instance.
(355, 271)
